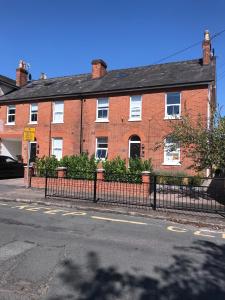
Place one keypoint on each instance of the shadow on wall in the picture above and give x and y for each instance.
(184, 279)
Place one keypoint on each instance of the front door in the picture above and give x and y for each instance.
(33, 152)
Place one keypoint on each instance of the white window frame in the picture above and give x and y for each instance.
(132, 107)
(33, 112)
(8, 114)
(166, 105)
(59, 112)
(54, 148)
(101, 148)
(98, 107)
(169, 162)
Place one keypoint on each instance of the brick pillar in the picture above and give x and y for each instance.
(61, 172)
(146, 181)
(100, 174)
(31, 173)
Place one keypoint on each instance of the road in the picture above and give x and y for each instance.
(58, 254)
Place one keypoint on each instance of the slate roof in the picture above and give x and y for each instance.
(190, 72)
(7, 80)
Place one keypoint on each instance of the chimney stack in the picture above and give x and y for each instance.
(98, 68)
(21, 74)
(206, 47)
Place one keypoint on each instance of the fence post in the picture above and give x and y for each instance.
(154, 191)
(95, 186)
(46, 182)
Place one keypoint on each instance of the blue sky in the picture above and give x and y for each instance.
(61, 37)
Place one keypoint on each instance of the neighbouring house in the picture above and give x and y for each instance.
(109, 112)
(8, 85)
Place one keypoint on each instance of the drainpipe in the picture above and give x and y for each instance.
(81, 125)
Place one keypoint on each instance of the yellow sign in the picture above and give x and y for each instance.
(29, 134)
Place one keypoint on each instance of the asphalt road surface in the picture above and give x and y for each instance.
(61, 254)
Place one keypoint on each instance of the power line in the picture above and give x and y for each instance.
(189, 47)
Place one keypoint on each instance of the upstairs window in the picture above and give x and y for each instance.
(173, 105)
(33, 113)
(11, 114)
(102, 109)
(135, 108)
(101, 148)
(57, 147)
(58, 111)
(171, 152)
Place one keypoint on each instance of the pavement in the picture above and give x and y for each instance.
(14, 190)
(62, 253)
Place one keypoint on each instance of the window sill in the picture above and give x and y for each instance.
(171, 164)
(33, 123)
(134, 120)
(172, 118)
(57, 122)
(102, 121)
(8, 124)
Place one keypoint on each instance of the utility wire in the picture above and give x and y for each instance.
(189, 47)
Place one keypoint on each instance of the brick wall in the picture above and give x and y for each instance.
(150, 129)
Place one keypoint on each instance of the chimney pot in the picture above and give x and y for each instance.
(99, 68)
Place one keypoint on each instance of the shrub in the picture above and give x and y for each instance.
(46, 164)
(79, 166)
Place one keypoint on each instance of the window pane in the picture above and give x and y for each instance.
(59, 106)
(34, 107)
(34, 117)
(11, 118)
(103, 102)
(101, 153)
(173, 98)
(102, 114)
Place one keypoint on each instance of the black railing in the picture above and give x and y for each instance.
(167, 192)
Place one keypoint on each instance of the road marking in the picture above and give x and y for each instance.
(54, 211)
(36, 208)
(176, 229)
(20, 206)
(3, 204)
(118, 220)
(75, 213)
(200, 232)
(223, 236)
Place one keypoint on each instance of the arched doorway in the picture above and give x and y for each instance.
(134, 146)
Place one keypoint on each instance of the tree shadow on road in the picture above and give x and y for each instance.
(186, 278)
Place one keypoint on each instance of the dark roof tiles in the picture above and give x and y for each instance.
(153, 76)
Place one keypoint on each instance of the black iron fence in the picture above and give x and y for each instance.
(159, 191)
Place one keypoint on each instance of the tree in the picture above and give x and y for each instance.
(203, 143)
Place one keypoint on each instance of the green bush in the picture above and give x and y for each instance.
(116, 169)
(46, 164)
(79, 166)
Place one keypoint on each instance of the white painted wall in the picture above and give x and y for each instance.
(11, 148)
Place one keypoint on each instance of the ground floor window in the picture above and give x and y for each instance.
(171, 152)
(101, 148)
(57, 147)
(134, 147)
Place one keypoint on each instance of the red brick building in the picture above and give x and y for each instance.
(108, 113)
